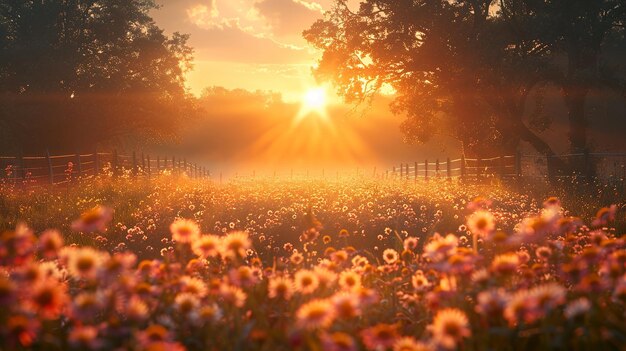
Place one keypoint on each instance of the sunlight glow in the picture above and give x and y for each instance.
(314, 101)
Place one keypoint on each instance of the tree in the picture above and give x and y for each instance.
(455, 65)
(579, 30)
(75, 73)
(466, 66)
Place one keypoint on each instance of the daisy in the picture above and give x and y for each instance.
(346, 305)
(338, 341)
(50, 242)
(280, 288)
(350, 280)
(48, 298)
(235, 244)
(505, 263)
(184, 231)
(380, 336)
(481, 223)
(410, 243)
(83, 263)
(233, 295)
(408, 343)
(419, 281)
(306, 281)
(315, 314)
(206, 246)
(440, 247)
(93, 220)
(390, 256)
(449, 327)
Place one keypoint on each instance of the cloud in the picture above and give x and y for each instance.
(288, 17)
(203, 14)
(229, 41)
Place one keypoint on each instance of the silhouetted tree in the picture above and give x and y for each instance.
(74, 73)
(463, 65)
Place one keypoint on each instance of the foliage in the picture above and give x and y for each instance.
(78, 72)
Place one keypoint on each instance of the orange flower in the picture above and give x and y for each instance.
(185, 231)
(93, 220)
(449, 327)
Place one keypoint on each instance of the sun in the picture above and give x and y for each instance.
(314, 102)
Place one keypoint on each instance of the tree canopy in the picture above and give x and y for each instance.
(460, 66)
(75, 73)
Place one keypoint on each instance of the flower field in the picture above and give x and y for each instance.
(175, 264)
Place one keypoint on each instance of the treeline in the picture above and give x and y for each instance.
(77, 73)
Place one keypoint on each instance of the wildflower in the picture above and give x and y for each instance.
(50, 242)
(449, 327)
(605, 215)
(338, 341)
(350, 280)
(325, 276)
(243, 276)
(441, 247)
(206, 246)
(83, 263)
(306, 281)
(210, 313)
(408, 343)
(186, 303)
(86, 305)
(390, 256)
(491, 303)
(419, 281)
(543, 253)
(505, 263)
(233, 295)
(518, 308)
(84, 337)
(93, 220)
(281, 288)
(185, 231)
(547, 297)
(296, 258)
(22, 329)
(315, 314)
(379, 337)
(235, 244)
(481, 223)
(136, 309)
(48, 298)
(339, 256)
(410, 243)
(346, 305)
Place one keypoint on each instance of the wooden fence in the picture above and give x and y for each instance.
(59, 169)
(603, 166)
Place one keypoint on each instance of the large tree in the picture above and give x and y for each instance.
(466, 66)
(74, 73)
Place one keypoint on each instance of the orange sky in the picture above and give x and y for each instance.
(248, 44)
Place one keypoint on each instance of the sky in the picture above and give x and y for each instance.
(247, 44)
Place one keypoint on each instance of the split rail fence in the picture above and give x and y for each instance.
(60, 169)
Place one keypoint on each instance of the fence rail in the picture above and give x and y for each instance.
(60, 169)
(599, 165)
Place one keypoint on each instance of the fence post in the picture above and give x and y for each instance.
(143, 163)
(448, 168)
(135, 170)
(463, 167)
(96, 163)
(114, 162)
(79, 164)
(401, 170)
(174, 170)
(50, 170)
(437, 168)
(518, 164)
(149, 166)
(20, 161)
(415, 170)
(426, 169)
